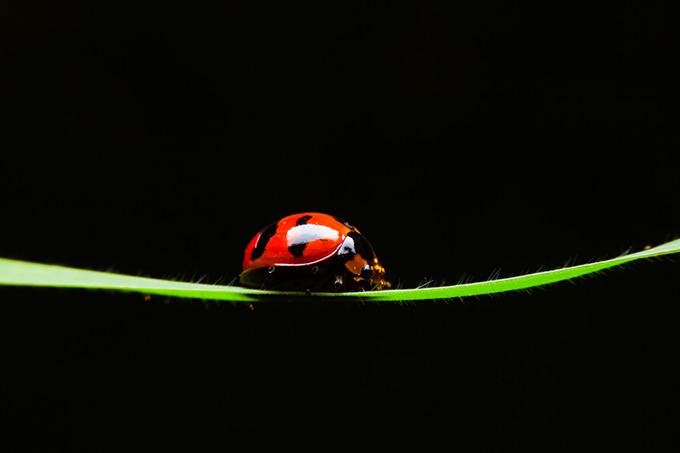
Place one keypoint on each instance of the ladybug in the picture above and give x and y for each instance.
(311, 251)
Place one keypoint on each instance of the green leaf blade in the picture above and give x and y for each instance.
(22, 273)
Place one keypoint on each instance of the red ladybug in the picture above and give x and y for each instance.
(311, 252)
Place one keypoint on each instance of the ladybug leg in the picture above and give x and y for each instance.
(314, 270)
(270, 271)
(338, 281)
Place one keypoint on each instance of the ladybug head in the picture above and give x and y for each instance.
(359, 258)
(375, 274)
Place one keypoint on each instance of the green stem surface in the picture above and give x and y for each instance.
(21, 273)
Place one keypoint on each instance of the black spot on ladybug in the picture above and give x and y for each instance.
(303, 220)
(344, 222)
(262, 241)
(297, 249)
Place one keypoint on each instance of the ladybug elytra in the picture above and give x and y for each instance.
(311, 252)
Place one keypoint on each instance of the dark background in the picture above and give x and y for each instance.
(460, 137)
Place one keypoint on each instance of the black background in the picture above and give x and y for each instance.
(460, 137)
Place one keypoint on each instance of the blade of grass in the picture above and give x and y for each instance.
(21, 273)
(524, 281)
